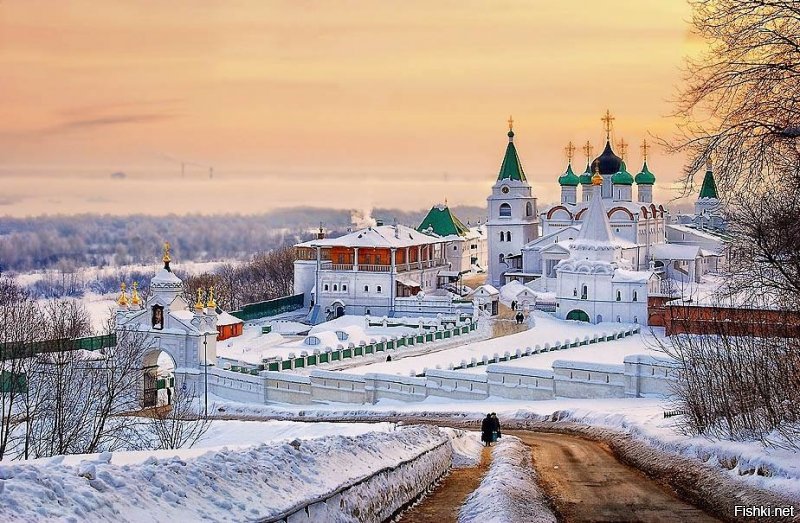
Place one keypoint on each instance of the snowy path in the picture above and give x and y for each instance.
(443, 504)
(586, 482)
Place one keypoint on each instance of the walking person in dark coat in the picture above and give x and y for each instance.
(495, 424)
(487, 426)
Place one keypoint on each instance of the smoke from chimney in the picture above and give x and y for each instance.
(362, 218)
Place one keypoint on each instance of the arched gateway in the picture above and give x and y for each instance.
(181, 339)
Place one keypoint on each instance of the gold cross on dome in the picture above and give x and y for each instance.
(623, 147)
(569, 149)
(166, 257)
(510, 123)
(607, 119)
(644, 147)
(587, 148)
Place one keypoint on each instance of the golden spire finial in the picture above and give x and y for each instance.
(607, 123)
(570, 150)
(510, 123)
(587, 149)
(166, 258)
(198, 305)
(123, 297)
(708, 163)
(597, 179)
(211, 304)
(623, 147)
(135, 299)
(644, 147)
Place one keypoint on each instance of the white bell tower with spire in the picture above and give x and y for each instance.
(513, 217)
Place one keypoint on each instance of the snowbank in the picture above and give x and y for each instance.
(467, 447)
(233, 485)
(509, 492)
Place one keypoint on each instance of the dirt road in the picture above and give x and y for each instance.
(587, 483)
(442, 505)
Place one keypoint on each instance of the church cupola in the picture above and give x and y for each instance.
(645, 179)
(709, 200)
(569, 180)
(165, 284)
(622, 180)
(585, 179)
(608, 163)
(511, 168)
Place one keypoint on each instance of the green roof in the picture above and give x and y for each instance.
(586, 177)
(709, 188)
(645, 177)
(442, 222)
(512, 167)
(569, 178)
(622, 177)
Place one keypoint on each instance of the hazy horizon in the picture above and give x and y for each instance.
(337, 105)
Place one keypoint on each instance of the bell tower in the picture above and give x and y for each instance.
(513, 217)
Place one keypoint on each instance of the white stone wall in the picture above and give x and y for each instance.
(456, 385)
(572, 379)
(520, 384)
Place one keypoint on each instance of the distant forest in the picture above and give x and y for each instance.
(102, 240)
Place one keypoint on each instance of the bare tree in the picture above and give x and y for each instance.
(740, 103)
(20, 330)
(738, 379)
(178, 424)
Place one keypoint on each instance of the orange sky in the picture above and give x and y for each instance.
(340, 92)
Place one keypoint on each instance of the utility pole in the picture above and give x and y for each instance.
(205, 369)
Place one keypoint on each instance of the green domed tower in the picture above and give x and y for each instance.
(569, 180)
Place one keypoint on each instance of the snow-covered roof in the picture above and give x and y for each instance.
(697, 232)
(324, 339)
(224, 318)
(487, 289)
(675, 251)
(380, 236)
(626, 276)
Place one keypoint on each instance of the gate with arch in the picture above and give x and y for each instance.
(158, 374)
(578, 315)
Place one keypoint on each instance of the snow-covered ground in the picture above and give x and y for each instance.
(607, 352)
(235, 434)
(509, 492)
(253, 346)
(775, 469)
(220, 485)
(546, 330)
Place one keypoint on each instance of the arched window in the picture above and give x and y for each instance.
(575, 292)
(379, 289)
(505, 210)
(619, 296)
(529, 209)
(325, 287)
(502, 258)
(366, 288)
(635, 319)
(585, 292)
(508, 236)
(619, 320)
(502, 236)
(335, 287)
(344, 287)
(635, 296)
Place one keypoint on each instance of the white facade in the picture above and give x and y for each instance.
(513, 218)
(596, 282)
(188, 335)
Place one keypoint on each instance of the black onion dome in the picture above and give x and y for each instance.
(608, 162)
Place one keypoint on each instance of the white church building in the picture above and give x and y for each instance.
(603, 251)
